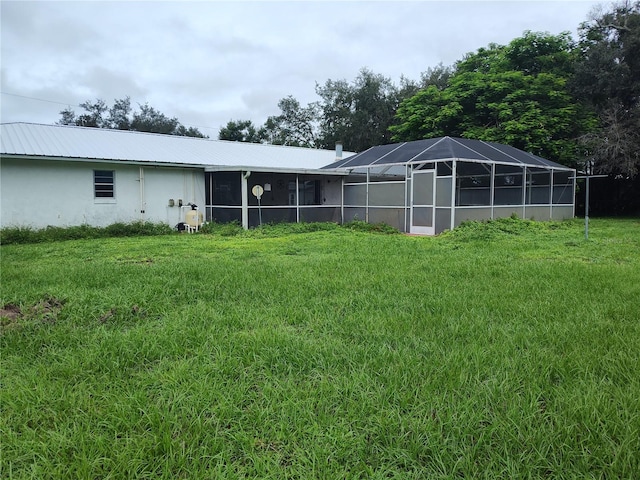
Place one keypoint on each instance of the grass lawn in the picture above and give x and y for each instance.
(501, 350)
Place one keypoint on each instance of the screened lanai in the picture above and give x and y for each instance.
(288, 196)
(428, 186)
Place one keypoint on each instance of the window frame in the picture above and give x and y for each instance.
(104, 194)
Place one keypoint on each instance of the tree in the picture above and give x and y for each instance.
(183, 131)
(358, 114)
(68, 117)
(240, 131)
(296, 125)
(94, 116)
(608, 78)
(148, 119)
(515, 94)
(120, 117)
(120, 114)
(437, 76)
(336, 109)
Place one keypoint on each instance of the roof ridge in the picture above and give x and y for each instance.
(501, 151)
(426, 149)
(400, 145)
(469, 148)
(162, 135)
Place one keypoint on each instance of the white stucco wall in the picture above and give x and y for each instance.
(39, 193)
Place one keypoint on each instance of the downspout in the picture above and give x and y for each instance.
(142, 202)
(245, 199)
(193, 187)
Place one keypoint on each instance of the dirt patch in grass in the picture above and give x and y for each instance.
(114, 313)
(136, 261)
(46, 311)
(10, 315)
(10, 312)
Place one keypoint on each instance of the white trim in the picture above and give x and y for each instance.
(298, 171)
(454, 179)
(342, 201)
(366, 197)
(460, 159)
(290, 207)
(244, 191)
(492, 187)
(297, 198)
(407, 168)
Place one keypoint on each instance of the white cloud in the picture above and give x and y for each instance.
(209, 62)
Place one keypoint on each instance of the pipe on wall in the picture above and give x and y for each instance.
(142, 201)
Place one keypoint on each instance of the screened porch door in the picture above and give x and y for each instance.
(423, 202)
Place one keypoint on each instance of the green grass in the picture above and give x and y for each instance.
(509, 349)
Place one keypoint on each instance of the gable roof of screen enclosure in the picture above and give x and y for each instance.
(101, 144)
(444, 148)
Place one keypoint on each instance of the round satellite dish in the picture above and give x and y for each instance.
(257, 191)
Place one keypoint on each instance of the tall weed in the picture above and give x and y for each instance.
(24, 235)
(501, 227)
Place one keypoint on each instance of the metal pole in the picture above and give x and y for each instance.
(587, 176)
(586, 210)
(454, 182)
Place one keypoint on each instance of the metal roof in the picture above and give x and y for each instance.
(70, 142)
(443, 148)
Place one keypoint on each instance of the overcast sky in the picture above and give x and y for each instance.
(208, 62)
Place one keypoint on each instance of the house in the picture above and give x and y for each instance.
(66, 175)
(62, 175)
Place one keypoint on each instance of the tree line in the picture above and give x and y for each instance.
(121, 116)
(576, 102)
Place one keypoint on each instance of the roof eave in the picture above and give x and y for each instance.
(248, 168)
(99, 160)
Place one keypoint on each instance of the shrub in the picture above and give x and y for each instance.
(13, 235)
(231, 229)
(134, 229)
(21, 235)
(491, 229)
(362, 226)
(277, 229)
